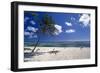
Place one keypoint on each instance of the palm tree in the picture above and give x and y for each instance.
(46, 26)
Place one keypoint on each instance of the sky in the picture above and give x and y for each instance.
(70, 26)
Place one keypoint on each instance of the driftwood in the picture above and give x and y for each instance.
(53, 51)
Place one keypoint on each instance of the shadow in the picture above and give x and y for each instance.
(53, 52)
(30, 55)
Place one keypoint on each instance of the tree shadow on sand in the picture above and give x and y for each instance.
(30, 55)
(37, 53)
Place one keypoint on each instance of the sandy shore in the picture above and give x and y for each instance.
(60, 53)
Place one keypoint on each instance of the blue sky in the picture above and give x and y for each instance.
(71, 26)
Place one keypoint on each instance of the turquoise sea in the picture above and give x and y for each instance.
(60, 44)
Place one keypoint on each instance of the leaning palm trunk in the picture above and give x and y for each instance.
(45, 25)
(35, 46)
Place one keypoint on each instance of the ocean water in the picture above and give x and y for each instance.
(60, 44)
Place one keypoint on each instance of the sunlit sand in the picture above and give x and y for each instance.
(57, 53)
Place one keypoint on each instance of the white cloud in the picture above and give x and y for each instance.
(32, 22)
(72, 18)
(26, 33)
(56, 33)
(68, 23)
(84, 19)
(70, 31)
(26, 18)
(33, 36)
(30, 34)
(32, 29)
(59, 28)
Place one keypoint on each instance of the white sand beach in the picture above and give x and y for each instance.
(58, 53)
